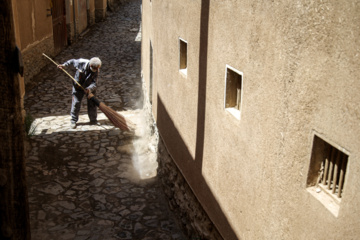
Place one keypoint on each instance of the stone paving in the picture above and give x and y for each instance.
(96, 182)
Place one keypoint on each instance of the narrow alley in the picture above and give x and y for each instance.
(82, 183)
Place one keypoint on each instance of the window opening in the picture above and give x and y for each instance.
(233, 91)
(327, 172)
(183, 55)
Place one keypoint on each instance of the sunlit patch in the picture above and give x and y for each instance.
(142, 149)
(53, 124)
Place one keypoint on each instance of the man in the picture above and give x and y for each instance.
(86, 75)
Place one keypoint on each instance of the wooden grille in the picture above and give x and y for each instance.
(333, 171)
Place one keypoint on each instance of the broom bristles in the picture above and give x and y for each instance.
(117, 119)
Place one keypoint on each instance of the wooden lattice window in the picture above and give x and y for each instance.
(327, 171)
(333, 172)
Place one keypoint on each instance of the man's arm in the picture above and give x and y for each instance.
(73, 62)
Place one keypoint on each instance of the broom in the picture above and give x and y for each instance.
(117, 119)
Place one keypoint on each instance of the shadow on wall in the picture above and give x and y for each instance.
(192, 168)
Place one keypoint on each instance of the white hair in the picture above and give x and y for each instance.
(95, 62)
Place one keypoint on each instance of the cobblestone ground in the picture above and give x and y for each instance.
(82, 183)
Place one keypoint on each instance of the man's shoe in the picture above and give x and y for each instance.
(73, 125)
(95, 123)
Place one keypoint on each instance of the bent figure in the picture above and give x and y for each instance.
(86, 75)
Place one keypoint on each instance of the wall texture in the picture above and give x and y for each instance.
(191, 216)
(100, 10)
(33, 58)
(33, 28)
(300, 65)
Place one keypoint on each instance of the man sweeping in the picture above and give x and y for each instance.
(86, 75)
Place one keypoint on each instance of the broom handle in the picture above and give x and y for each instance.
(64, 71)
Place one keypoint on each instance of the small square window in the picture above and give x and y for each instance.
(233, 91)
(327, 171)
(183, 56)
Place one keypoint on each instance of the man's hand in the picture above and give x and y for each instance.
(88, 93)
(60, 66)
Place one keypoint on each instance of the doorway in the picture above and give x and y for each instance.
(59, 25)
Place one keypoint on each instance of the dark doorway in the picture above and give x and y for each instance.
(59, 25)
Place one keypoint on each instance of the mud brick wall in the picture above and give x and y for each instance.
(33, 59)
(192, 218)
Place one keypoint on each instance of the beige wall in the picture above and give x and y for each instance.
(100, 4)
(33, 29)
(71, 24)
(91, 11)
(82, 15)
(100, 10)
(300, 64)
(34, 25)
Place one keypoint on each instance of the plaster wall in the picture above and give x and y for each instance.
(146, 39)
(69, 12)
(33, 29)
(100, 10)
(91, 12)
(79, 15)
(82, 12)
(101, 4)
(178, 88)
(300, 64)
(72, 22)
(33, 22)
(91, 5)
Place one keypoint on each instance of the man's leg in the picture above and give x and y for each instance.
(92, 110)
(75, 105)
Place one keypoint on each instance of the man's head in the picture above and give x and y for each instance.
(95, 64)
